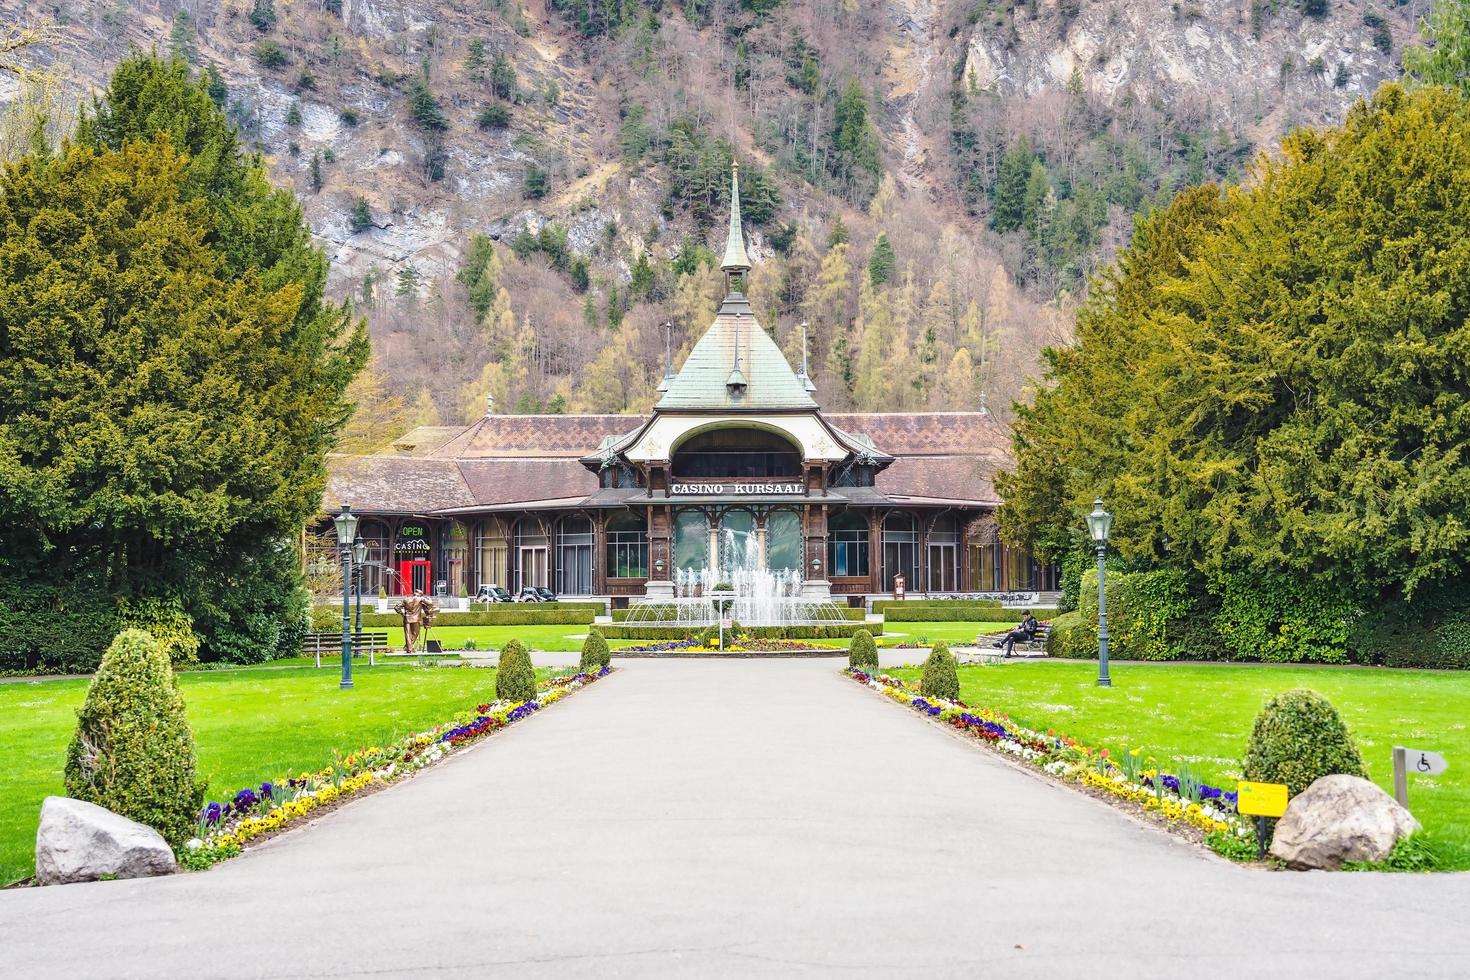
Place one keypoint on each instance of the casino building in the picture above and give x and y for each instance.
(613, 505)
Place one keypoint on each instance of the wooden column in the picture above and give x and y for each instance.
(599, 552)
(875, 551)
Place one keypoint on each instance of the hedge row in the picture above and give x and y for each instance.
(850, 613)
(883, 605)
(951, 614)
(324, 618)
(597, 607)
(655, 633)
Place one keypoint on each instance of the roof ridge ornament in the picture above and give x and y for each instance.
(736, 260)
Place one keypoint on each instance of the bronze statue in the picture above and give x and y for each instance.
(417, 613)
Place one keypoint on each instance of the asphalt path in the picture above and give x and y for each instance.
(735, 818)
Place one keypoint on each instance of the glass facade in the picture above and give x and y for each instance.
(901, 551)
(627, 547)
(783, 541)
(574, 556)
(691, 540)
(847, 544)
(493, 553)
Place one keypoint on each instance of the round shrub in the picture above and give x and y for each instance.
(515, 678)
(1298, 738)
(133, 752)
(863, 654)
(595, 655)
(941, 677)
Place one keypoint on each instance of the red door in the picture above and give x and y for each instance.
(414, 577)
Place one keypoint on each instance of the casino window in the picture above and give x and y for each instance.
(752, 453)
(847, 544)
(627, 547)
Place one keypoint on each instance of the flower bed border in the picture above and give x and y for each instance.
(1065, 760)
(256, 815)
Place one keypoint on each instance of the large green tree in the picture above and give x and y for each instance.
(1277, 378)
(171, 375)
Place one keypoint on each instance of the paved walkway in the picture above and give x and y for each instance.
(735, 818)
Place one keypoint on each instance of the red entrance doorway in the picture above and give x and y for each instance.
(414, 577)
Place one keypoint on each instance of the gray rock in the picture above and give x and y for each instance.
(79, 841)
(1338, 819)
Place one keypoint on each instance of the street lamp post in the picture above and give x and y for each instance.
(346, 523)
(1099, 522)
(359, 555)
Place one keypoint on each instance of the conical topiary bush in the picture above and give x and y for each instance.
(133, 752)
(515, 678)
(863, 654)
(1297, 739)
(941, 674)
(595, 655)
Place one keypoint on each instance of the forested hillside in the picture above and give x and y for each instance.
(517, 196)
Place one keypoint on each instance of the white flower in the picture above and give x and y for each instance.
(193, 844)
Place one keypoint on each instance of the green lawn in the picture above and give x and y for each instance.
(248, 725)
(1202, 713)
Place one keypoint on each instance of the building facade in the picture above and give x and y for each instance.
(737, 464)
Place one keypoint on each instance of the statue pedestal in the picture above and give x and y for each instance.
(816, 588)
(659, 589)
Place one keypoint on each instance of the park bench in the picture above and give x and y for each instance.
(1037, 643)
(366, 641)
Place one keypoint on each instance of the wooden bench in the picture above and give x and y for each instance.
(369, 642)
(1037, 643)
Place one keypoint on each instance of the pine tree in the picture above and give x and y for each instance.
(361, 217)
(480, 274)
(1008, 199)
(881, 262)
(181, 39)
(474, 62)
(316, 173)
(1445, 60)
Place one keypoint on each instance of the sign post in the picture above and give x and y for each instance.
(1422, 761)
(1260, 800)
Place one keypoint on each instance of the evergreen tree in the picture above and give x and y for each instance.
(316, 173)
(1008, 200)
(215, 87)
(854, 158)
(474, 62)
(642, 285)
(1270, 379)
(1445, 58)
(181, 39)
(424, 107)
(881, 262)
(361, 217)
(480, 274)
(503, 78)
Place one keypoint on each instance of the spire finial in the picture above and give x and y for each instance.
(806, 379)
(736, 260)
(668, 355)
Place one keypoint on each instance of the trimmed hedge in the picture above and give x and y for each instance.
(515, 678)
(952, 614)
(653, 633)
(863, 654)
(1297, 739)
(1072, 637)
(1147, 614)
(883, 605)
(597, 607)
(133, 751)
(327, 618)
(850, 613)
(941, 677)
(595, 655)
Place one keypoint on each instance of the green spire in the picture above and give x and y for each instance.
(735, 258)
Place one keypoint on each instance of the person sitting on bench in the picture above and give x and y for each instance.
(1025, 633)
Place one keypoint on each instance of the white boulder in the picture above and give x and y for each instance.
(1338, 819)
(80, 841)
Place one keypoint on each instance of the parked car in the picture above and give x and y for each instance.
(546, 594)
(536, 593)
(493, 593)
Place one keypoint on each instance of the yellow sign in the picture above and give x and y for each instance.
(1261, 799)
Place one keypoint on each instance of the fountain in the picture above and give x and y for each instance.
(759, 596)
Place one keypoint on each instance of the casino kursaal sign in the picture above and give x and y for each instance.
(732, 488)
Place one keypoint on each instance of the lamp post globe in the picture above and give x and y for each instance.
(346, 524)
(359, 556)
(1099, 524)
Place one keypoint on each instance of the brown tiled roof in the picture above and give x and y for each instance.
(565, 436)
(394, 484)
(966, 478)
(929, 433)
(507, 481)
(508, 459)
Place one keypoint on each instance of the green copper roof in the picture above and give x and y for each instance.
(735, 258)
(702, 383)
